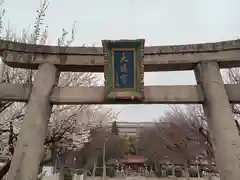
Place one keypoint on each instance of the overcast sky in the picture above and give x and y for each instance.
(160, 22)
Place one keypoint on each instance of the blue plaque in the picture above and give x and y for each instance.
(124, 68)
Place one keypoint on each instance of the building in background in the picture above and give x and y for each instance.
(131, 128)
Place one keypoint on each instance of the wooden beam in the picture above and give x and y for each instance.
(180, 94)
(90, 59)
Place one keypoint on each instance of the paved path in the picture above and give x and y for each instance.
(130, 178)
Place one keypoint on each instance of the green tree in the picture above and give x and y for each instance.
(132, 145)
(115, 128)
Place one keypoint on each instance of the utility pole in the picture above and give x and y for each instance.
(104, 160)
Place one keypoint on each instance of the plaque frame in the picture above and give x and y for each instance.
(111, 92)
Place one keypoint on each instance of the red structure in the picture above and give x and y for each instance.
(133, 163)
(128, 160)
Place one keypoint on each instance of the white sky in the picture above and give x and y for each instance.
(160, 22)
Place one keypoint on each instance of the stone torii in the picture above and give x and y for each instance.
(210, 91)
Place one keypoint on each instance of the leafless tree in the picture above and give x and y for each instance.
(67, 123)
(179, 136)
(232, 76)
(152, 145)
(116, 147)
(196, 126)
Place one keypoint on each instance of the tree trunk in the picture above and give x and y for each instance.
(61, 172)
(210, 169)
(186, 172)
(94, 169)
(198, 172)
(157, 169)
(4, 169)
(173, 170)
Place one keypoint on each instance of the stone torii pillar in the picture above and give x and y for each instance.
(223, 130)
(30, 145)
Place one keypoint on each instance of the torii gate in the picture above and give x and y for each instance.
(205, 59)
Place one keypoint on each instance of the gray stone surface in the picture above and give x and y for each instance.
(179, 94)
(131, 178)
(90, 59)
(189, 48)
(224, 133)
(30, 146)
(210, 91)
